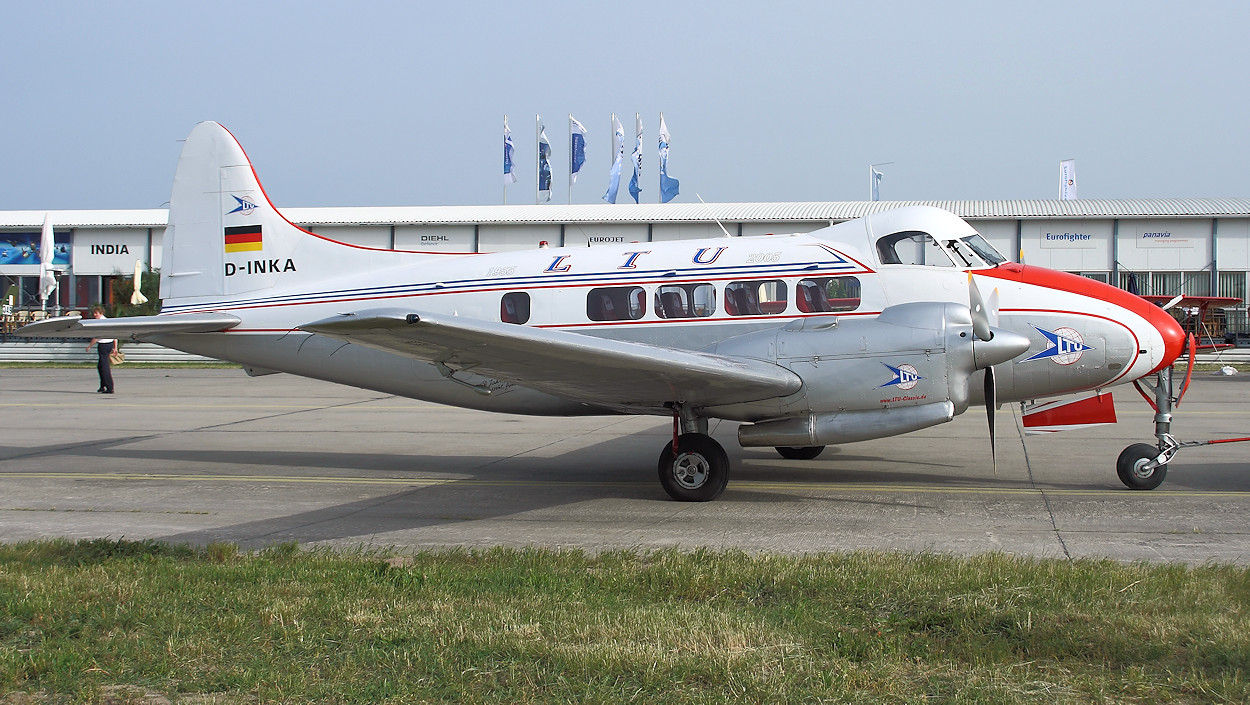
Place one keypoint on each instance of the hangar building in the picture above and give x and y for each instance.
(1193, 246)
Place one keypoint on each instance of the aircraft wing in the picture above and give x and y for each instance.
(134, 328)
(580, 367)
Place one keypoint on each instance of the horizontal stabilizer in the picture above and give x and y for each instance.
(593, 370)
(135, 328)
(1051, 416)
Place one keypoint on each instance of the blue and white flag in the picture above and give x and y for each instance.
(544, 164)
(618, 148)
(509, 175)
(634, 188)
(577, 148)
(669, 187)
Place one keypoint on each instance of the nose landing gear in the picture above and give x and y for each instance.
(1142, 466)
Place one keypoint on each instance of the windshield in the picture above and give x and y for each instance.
(984, 249)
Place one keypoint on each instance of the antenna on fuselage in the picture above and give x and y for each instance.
(709, 210)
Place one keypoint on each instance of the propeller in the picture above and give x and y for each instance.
(980, 312)
(984, 317)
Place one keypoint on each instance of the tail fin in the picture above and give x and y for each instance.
(226, 239)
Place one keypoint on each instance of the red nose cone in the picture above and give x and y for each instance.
(1173, 335)
(1169, 329)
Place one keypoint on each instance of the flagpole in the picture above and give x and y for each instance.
(570, 144)
(506, 130)
(537, 157)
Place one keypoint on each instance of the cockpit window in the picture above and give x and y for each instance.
(984, 249)
(912, 247)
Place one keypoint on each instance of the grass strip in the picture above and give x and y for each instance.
(86, 621)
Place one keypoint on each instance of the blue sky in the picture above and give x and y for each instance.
(380, 103)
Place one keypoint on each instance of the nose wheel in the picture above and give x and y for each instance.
(1137, 468)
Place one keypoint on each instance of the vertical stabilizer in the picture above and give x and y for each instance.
(224, 237)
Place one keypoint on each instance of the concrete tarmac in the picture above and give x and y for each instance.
(204, 455)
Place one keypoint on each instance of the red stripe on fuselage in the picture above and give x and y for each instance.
(1169, 329)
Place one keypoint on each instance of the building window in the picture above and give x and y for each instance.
(1233, 284)
(756, 298)
(828, 294)
(616, 303)
(515, 307)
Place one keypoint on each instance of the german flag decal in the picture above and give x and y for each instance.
(244, 238)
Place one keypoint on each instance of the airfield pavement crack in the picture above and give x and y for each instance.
(282, 414)
(1050, 511)
(121, 440)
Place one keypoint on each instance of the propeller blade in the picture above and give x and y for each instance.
(980, 313)
(991, 307)
(1173, 302)
(991, 402)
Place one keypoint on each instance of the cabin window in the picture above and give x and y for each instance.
(515, 307)
(912, 247)
(756, 298)
(685, 301)
(828, 294)
(618, 303)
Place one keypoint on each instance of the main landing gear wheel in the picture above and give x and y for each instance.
(800, 453)
(1131, 467)
(698, 472)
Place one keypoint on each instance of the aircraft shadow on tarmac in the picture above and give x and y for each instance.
(489, 487)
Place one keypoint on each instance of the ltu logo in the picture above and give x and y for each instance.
(1064, 346)
(905, 377)
(246, 205)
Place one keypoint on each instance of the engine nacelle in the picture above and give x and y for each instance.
(843, 426)
(910, 368)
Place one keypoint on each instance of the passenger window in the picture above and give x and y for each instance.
(756, 298)
(619, 303)
(828, 295)
(912, 247)
(515, 307)
(685, 301)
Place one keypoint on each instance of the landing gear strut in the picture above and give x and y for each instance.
(1142, 466)
(693, 467)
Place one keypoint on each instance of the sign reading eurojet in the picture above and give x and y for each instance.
(109, 251)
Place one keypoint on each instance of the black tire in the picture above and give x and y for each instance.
(800, 452)
(698, 472)
(1128, 467)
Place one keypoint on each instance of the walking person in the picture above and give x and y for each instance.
(104, 347)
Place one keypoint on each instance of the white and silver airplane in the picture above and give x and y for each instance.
(865, 329)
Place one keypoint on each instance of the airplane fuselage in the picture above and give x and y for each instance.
(679, 294)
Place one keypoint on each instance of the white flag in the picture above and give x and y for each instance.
(1067, 179)
(669, 187)
(47, 250)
